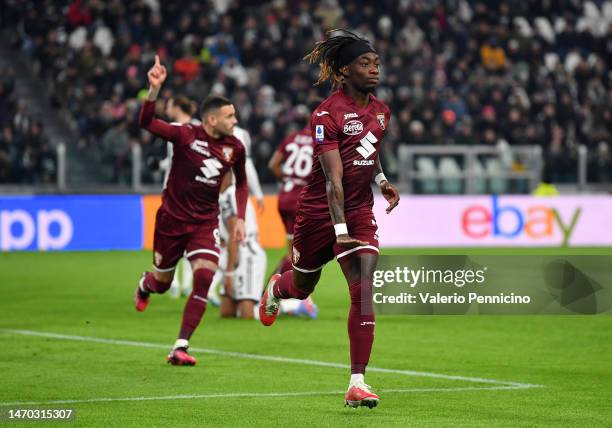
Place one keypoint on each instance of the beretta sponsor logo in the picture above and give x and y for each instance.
(353, 127)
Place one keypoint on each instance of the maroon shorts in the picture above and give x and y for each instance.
(287, 208)
(314, 241)
(174, 239)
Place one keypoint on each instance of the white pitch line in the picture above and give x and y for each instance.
(266, 358)
(247, 395)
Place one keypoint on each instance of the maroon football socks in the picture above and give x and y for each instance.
(284, 288)
(360, 318)
(196, 303)
(360, 325)
(152, 285)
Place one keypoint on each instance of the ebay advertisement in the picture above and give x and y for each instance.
(492, 220)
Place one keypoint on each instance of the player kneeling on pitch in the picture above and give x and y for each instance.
(242, 266)
(186, 223)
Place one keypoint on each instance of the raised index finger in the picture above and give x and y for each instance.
(157, 60)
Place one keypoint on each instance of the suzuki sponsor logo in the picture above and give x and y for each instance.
(364, 162)
(210, 170)
(200, 147)
(353, 127)
(350, 115)
(48, 229)
(367, 149)
(510, 221)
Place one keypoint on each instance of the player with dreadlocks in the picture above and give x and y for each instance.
(334, 216)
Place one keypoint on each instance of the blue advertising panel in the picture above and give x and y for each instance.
(71, 222)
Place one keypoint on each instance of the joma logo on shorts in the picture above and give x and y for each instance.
(353, 127)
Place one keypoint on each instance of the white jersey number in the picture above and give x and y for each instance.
(299, 161)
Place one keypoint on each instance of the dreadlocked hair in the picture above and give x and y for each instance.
(327, 54)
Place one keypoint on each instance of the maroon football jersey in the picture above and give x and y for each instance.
(296, 151)
(199, 163)
(357, 132)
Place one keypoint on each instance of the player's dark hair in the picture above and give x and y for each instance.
(184, 103)
(339, 49)
(213, 102)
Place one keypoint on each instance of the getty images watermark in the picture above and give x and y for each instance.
(422, 278)
(425, 285)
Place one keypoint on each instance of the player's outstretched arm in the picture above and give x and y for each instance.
(254, 184)
(331, 164)
(232, 258)
(251, 172)
(242, 194)
(388, 190)
(157, 75)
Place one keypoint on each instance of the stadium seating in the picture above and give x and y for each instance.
(479, 73)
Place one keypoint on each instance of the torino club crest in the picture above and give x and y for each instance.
(296, 255)
(227, 153)
(381, 120)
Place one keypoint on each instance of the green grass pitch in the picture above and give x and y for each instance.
(89, 294)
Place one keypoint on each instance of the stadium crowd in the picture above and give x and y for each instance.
(25, 153)
(455, 71)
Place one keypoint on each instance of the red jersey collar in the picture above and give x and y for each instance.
(202, 134)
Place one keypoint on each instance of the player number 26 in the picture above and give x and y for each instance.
(299, 161)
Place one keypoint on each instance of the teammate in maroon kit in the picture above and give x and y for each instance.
(334, 216)
(291, 164)
(186, 223)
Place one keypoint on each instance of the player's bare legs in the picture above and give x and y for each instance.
(243, 309)
(246, 309)
(228, 307)
(203, 272)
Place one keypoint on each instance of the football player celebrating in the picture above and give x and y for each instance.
(180, 110)
(187, 221)
(334, 216)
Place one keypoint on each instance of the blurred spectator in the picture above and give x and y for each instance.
(116, 147)
(493, 56)
(25, 153)
(6, 154)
